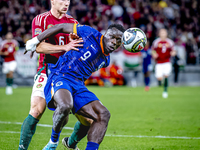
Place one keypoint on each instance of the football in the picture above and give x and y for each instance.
(134, 40)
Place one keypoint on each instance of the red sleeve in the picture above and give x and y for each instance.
(36, 27)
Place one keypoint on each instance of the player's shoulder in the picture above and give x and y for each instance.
(41, 16)
(4, 42)
(15, 42)
(171, 42)
(156, 41)
(69, 17)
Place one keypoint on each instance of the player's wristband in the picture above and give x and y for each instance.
(35, 40)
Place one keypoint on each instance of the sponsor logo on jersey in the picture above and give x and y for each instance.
(59, 83)
(101, 65)
(49, 26)
(38, 31)
(93, 47)
(39, 86)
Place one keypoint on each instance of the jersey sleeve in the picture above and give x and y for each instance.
(84, 30)
(36, 27)
(107, 62)
(16, 45)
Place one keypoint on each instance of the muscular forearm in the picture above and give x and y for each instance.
(48, 48)
(59, 28)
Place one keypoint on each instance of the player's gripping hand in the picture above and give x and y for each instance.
(74, 43)
(31, 45)
(73, 36)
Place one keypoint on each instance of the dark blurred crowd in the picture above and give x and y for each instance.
(180, 17)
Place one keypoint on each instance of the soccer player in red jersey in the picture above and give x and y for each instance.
(8, 49)
(49, 51)
(162, 50)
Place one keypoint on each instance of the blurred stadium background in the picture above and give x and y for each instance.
(180, 17)
(140, 120)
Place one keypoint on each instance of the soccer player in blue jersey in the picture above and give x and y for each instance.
(65, 89)
(146, 65)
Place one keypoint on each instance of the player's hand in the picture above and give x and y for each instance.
(154, 55)
(6, 53)
(31, 45)
(73, 36)
(73, 45)
(173, 53)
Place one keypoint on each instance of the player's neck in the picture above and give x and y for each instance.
(105, 46)
(163, 39)
(56, 13)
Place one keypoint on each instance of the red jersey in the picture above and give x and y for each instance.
(10, 47)
(44, 21)
(163, 49)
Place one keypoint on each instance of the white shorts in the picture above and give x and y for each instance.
(9, 66)
(163, 69)
(39, 84)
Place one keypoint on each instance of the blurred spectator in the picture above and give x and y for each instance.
(116, 76)
(179, 60)
(109, 76)
(8, 49)
(94, 79)
(180, 18)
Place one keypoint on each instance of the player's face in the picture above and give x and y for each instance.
(61, 5)
(113, 36)
(163, 33)
(9, 36)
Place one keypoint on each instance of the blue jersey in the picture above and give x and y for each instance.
(81, 64)
(74, 67)
(146, 55)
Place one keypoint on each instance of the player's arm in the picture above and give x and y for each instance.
(3, 53)
(59, 28)
(44, 47)
(172, 51)
(48, 48)
(154, 54)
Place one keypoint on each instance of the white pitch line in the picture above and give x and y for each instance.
(109, 135)
(158, 136)
(131, 136)
(41, 125)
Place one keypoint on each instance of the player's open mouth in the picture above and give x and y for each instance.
(111, 48)
(65, 9)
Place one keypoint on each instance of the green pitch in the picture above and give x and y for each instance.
(139, 120)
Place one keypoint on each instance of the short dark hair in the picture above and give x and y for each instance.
(117, 26)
